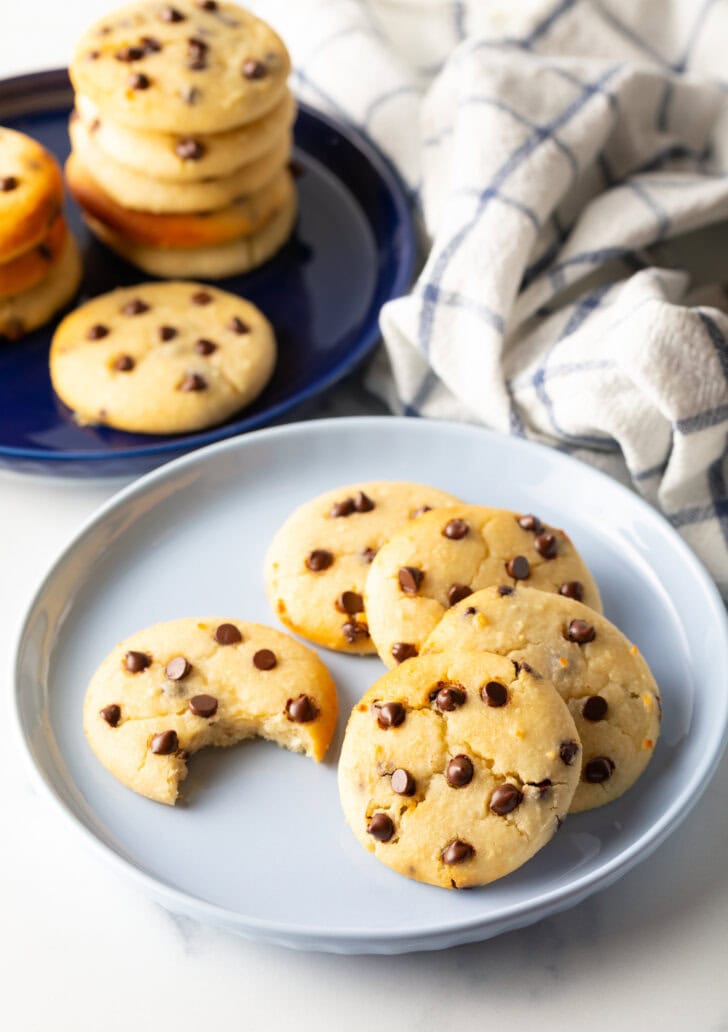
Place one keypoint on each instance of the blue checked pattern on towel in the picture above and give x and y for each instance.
(569, 160)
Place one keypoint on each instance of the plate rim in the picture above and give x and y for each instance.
(364, 940)
(20, 85)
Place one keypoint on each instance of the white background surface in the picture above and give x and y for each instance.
(80, 951)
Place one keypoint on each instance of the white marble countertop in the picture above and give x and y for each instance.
(82, 951)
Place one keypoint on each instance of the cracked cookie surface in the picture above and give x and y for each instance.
(606, 683)
(176, 687)
(456, 769)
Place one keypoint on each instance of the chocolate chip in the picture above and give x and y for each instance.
(350, 602)
(318, 560)
(410, 578)
(227, 634)
(193, 382)
(470, 611)
(151, 44)
(139, 81)
(390, 714)
(457, 592)
(207, 5)
(124, 363)
(448, 697)
(204, 346)
(381, 827)
(402, 650)
(595, 708)
(354, 630)
(301, 710)
(189, 149)
(111, 714)
(177, 668)
(236, 325)
(92, 55)
(455, 529)
(8, 183)
(419, 512)
(530, 522)
(45, 252)
(541, 787)
(546, 545)
(505, 589)
(518, 567)
(201, 297)
(581, 632)
(459, 771)
(203, 705)
(171, 14)
(457, 852)
(166, 332)
(265, 659)
(197, 51)
(494, 694)
(135, 662)
(362, 502)
(402, 782)
(527, 669)
(130, 54)
(97, 332)
(344, 508)
(505, 799)
(368, 554)
(164, 743)
(253, 69)
(296, 168)
(568, 751)
(135, 307)
(598, 770)
(572, 589)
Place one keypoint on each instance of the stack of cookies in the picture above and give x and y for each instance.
(40, 268)
(181, 137)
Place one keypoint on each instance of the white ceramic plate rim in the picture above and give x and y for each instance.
(426, 936)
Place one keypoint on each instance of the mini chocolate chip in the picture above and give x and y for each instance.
(204, 346)
(207, 5)
(598, 770)
(236, 325)
(448, 697)
(8, 183)
(470, 611)
(381, 827)
(201, 297)
(124, 363)
(343, 508)
(568, 751)
(171, 14)
(457, 852)
(350, 602)
(572, 589)
(402, 782)
(581, 632)
(518, 567)
(193, 382)
(419, 512)
(265, 659)
(253, 69)
(505, 589)
(595, 708)
(111, 714)
(390, 714)
(296, 168)
(527, 669)
(530, 522)
(368, 554)
(227, 634)
(318, 560)
(97, 332)
(203, 705)
(301, 710)
(457, 592)
(92, 55)
(505, 799)
(189, 149)
(130, 54)
(354, 630)
(541, 787)
(459, 771)
(410, 578)
(135, 662)
(166, 332)
(455, 529)
(546, 545)
(139, 81)
(362, 502)
(135, 307)
(151, 44)
(177, 668)
(197, 55)
(494, 694)
(402, 650)
(164, 743)
(45, 252)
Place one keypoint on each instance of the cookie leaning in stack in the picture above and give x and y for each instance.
(181, 137)
(40, 268)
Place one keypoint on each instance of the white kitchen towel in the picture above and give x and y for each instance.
(569, 159)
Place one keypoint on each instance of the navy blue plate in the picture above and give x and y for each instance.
(352, 251)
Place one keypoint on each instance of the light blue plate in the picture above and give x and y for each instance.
(260, 846)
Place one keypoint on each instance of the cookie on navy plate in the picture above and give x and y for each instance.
(430, 565)
(162, 358)
(601, 676)
(318, 561)
(452, 768)
(177, 687)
